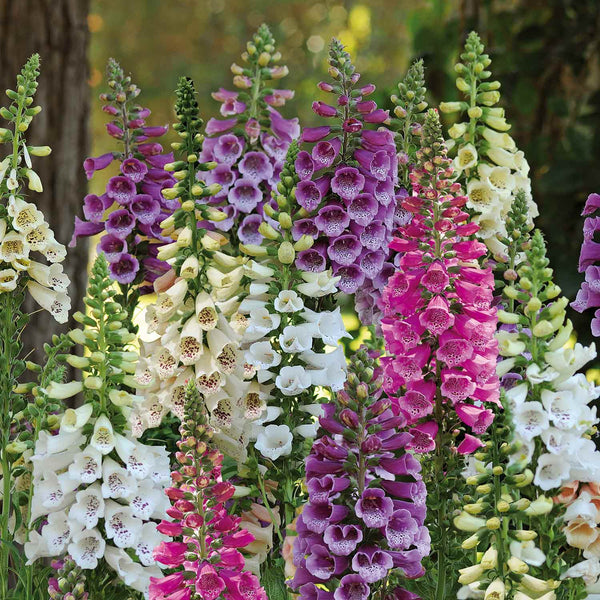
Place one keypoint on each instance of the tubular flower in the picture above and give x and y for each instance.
(348, 176)
(96, 488)
(23, 228)
(588, 295)
(487, 161)
(366, 500)
(128, 214)
(439, 324)
(208, 560)
(193, 325)
(292, 343)
(250, 144)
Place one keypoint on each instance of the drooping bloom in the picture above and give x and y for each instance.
(366, 499)
(208, 560)
(128, 214)
(348, 176)
(439, 323)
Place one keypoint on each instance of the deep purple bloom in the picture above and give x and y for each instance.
(275, 147)
(248, 230)
(245, 195)
(373, 237)
(85, 229)
(125, 269)
(308, 195)
(345, 250)
(347, 183)
(311, 260)
(304, 165)
(304, 227)
(314, 134)
(120, 223)
(145, 208)
(255, 166)
(284, 129)
(155, 131)
(332, 220)
(321, 490)
(228, 149)
(324, 153)
(374, 508)
(221, 174)
(401, 530)
(112, 247)
(372, 564)
(352, 587)
(322, 564)
(363, 209)
(114, 131)
(371, 263)
(592, 204)
(93, 208)
(121, 189)
(317, 517)
(351, 278)
(342, 539)
(93, 164)
(324, 110)
(134, 169)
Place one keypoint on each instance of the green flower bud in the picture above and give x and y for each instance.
(286, 253)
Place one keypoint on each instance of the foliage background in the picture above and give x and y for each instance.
(546, 53)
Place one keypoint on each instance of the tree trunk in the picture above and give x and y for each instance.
(58, 31)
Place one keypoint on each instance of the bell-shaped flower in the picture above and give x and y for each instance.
(528, 552)
(297, 338)
(262, 355)
(57, 532)
(319, 284)
(530, 419)
(274, 441)
(132, 573)
(552, 471)
(103, 438)
(86, 548)
(293, 380)
(288, 301)
(116, 481)
(53, 493)
(62, 391)
(86, 466)
(56, 303)
(149, 539)
(136, 457)
(75, 419)
(121, 526)
(88, 507)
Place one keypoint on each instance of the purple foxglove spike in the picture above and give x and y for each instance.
(372, 564)
(84, 229)
(332, 220)
(248, 230)
(308, 195)
(322, 564)
(125, 269)
(315, 134)
(150, 148)
(121, 189)
(245, 195)
(324, 153)
(324, 110)
(145, 208)
(342, 540)
(347, 183)
(93, 208)
(255, 166)
(284, 129)
(304, 165)
(112, 247)
(322, 490)
(401, 530)
(93, 164)
(304, 227)
(155, 131)
(363, 209)
(345, 250)
(352, 587)
(134, 169)
(592, 204)
(351, 278)
(228, 148)
(374, 508)
(120, 223)
(318, 516)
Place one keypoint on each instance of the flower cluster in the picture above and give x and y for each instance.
(250, 144)
(506, 527)
(582, 531)
(23, 228)
(193, 327)
(589, 294)
(212, 565)
(439, 324)
(366, 506)
(132, 207)
(349, 179)
(487, 161)
(549, 399)
(96, 488)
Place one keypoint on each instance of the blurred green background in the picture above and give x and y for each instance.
(546, 53)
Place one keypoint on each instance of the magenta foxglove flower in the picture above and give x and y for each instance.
(249, 146)
(348, 177)
(366, 500)
(439, 322)
(207, 560)
(131, 230)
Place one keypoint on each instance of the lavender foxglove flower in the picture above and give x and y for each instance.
(135, 192)
(366, 500)
(348, 177)
(250, 144)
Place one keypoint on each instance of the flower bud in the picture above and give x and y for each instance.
(516, 565)
(450, 107)
(467, 522)
(470, 574)
(475, 112)
(285, 220)
(253, 250)
(471, 542)
(493, 523)
(495, 591)
(304, 243)
(267, 231)
(92, 383)
(489, 560)
(286, 253)
(540, 506)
